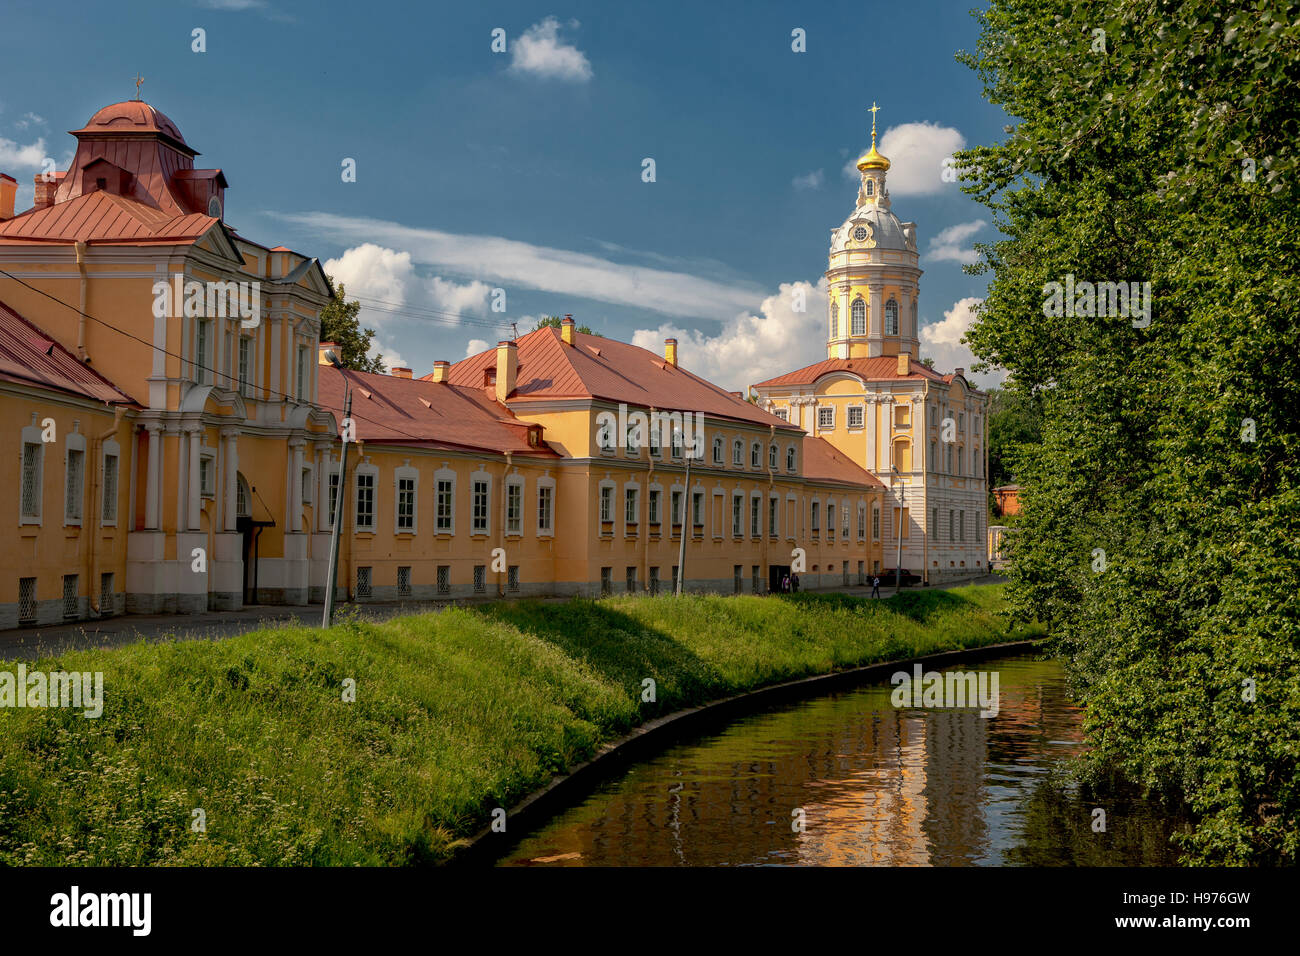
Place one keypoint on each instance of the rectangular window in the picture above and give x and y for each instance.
(855, 416)
(606, 580)
(631, 579)
(70, 603)
(443, 506)
(301, 384)
(934, 523)
(444, 579)
(736, 515)
(31, 486)
(108, 506)
(756, 455)
(755, 579)
(961, 526)
(755, 517)
(205, 477)
(365, 501)
(405, 504)
(75, 484)
(934, 458)
(363, 582)
(677, 508)
(783, 414)
(404, 581)
(26, 600)
(830, 522)
(202, 337)
(737, 454)
(875, 524)
(674, 580)
(902, 416)
(480, 578)
(771, 516)
(862, 522)
(697, 509)
(949, 468)
(512, 578)
(107, 603)
(514, 508)
(653, 505)
(630, 508)
(545, 495)
(479, 522)
(607, 503)
(334, 496)
(737, 578)
(826, 417)
(952, 526)
(245, 361)
(654, 580)
(816, 517)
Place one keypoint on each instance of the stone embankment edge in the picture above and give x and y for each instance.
(564, 790)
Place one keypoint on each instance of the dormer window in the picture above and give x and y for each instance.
(869, 188)
(214, 207)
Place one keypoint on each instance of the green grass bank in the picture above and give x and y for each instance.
(456, 712)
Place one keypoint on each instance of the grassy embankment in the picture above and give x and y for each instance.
(455, 713)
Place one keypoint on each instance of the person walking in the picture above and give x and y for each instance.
(785, 584)
(875, 586)
(794, 583)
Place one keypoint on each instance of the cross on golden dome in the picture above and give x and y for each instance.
(872, 159)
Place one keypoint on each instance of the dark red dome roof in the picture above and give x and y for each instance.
(132, 116)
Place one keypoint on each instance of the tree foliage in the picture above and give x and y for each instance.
(339, 323)
(1157, 539)
(553, 322)
(1014, 431)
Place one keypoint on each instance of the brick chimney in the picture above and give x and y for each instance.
(45, 190)
(8, 190)
(904, 364)
(670, 352)
(440, 370)
(961, 371)
(399, 371)
(566, 329)
(507, 369)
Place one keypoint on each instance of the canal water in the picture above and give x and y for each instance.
(850, 780)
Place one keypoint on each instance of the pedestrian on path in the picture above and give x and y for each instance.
(875, 586)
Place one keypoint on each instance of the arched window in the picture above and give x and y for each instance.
(835, 318)
(738, 453)
(789, 458)
(891, 317)
(717, 451)
(242, 500)
(859, 317)
(756, 455)
(772, 456)
(902, 454)
(869, 188)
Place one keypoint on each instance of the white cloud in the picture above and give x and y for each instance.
(539, 51)
(452, 297)
(29, 119)
(942, 341)
(18, 155)
(950, 243)
(510, 262)
(916, 152)
(474, 346)
(751, 348)
(811, 180)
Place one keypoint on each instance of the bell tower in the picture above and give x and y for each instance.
(873, 274)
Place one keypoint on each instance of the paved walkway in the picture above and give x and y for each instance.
(31, 643)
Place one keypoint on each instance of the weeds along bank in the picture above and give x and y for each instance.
(384, 743)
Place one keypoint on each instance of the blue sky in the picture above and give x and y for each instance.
(522, 170)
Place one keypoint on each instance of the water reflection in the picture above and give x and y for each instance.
(878, 786)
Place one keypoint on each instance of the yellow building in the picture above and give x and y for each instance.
(177, 437)
(919, 432)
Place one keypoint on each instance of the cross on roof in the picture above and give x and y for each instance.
(139, 80)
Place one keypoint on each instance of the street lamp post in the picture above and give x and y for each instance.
(331, 579)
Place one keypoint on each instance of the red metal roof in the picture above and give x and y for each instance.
(402, 410)
(131, 116)
(823, 462)
(597, 367)
(879, 369)
(29, 356)
(102, 217)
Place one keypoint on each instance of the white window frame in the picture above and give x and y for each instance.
(406, 473)
(546, 492)
(365, 471)
(605, 501)
(32, 436)
(738, 453)
(825, 418)
(75, 443)
(444, 474)
(791, 459)
(111, 450)
(860, 413)
(858, 316)
(515, 521)
(480, 479)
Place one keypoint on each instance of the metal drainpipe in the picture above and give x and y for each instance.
(81, 317)
(501, 532)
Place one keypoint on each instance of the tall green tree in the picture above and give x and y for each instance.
(1154, 141)
(1014, 425)
(340, 324)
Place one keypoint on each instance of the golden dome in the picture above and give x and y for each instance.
(872, 159)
